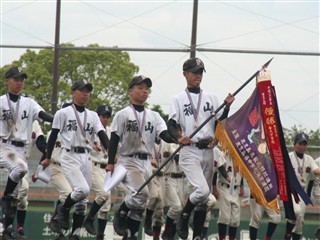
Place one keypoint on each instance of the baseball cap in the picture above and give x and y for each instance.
(66, 104)
(81, 84)
(301, 137)
(104, 110)
(193, 65)
(139, 79)
(15, 72)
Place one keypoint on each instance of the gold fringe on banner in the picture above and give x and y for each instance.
(255, 190)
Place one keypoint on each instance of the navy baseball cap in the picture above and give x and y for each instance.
(64, 105)
(81, 84)
(301, 137)
(104, 110)
(193, 65)
(15, 72)
(139, 79)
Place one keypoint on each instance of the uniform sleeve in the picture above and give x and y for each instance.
(161, 124)
(216, 105)
(118, 124)
(36, 109)
(218, 157)
(36, 128)
(313, 165)
(174, 110)
(97, 123)
(58, 120)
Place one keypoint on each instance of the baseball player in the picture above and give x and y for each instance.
(77, 127)
(136, 128)
(102, 202)
(172, 199)
(257, 211)
(154, 212)
(17, 115)
(315, 186)
(60, 183)
(40, 141)
(303, 165)
(230, 189)
(190, 108)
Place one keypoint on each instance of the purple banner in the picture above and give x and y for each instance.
(245, 131)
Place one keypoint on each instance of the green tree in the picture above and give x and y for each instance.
(314, 135)
(157, 108)
(108, 71)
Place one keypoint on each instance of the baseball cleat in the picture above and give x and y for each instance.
(120, 223)
(54, 226)
(183, 225)
(88, 225)
(21, 235)
(63, 217)
(148, 227)
(74, 237)
(60, 237)
(7, 234)
(6, 206)
(100, 236)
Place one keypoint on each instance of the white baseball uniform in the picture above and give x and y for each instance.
(77, 137)
(196, 163)
(16, 129)
(218, 161)
(316, 186)
(156, 190)
(257, 211)
(57, 179)
(100, 159)
(229, 200)
(135, 149)
(303, 169)
(24, 183)
(172, 177)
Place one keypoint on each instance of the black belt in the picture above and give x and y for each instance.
(175, 175)
(101, 165)
(142, 156)
(202, 144)
(78, 150)
(159, 174)
(227, 185)
(15, 143)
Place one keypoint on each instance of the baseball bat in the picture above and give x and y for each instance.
(198, 129)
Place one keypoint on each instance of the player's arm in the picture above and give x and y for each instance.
(229, 100)
(47, 117)
(317, 171)
(103, 139)
(309, 188)
(215, 191)
(172, 129)
(241, 193)
(223, 172)
(112, 151)
(50, 146)
(42, 146)
(166, 136)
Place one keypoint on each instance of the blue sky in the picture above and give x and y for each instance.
(247, 25)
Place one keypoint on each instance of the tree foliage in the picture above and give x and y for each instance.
(157, 108)
(108, 71)
(314, 136)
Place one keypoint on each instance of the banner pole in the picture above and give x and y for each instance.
(201, 125)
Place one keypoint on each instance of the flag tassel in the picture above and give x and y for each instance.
(227, 145)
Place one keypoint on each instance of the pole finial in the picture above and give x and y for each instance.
(267, 63)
